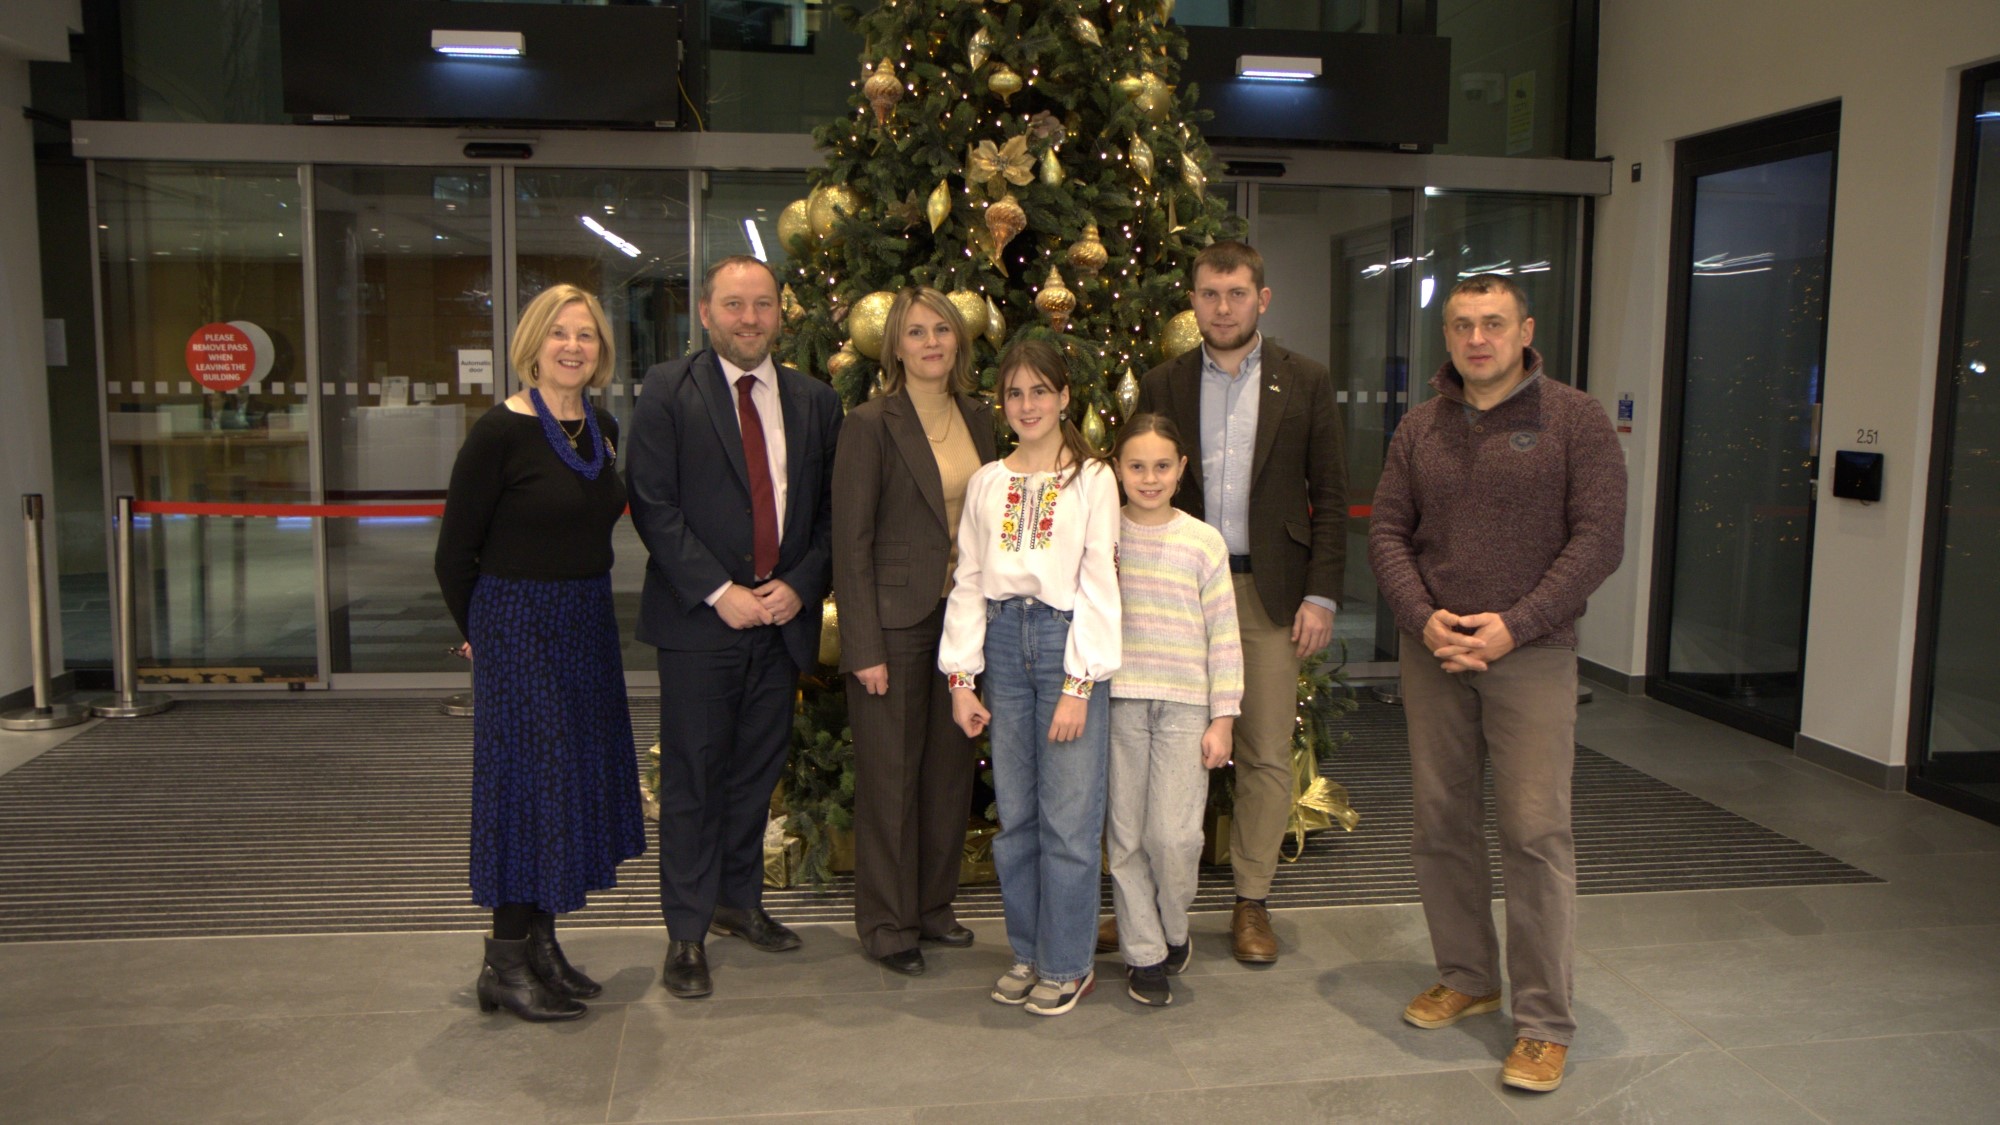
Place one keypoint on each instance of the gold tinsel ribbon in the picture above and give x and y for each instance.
(1317, 803)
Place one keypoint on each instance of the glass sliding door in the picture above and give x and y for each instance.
(1955, 733)
(408, 355)
(204, 321)
(627, 237)
(1336, 260)
(1752, 243)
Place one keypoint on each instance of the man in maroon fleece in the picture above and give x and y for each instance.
(1501, 508)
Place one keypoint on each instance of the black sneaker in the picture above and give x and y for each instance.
(1178, 957)
(1148, 985)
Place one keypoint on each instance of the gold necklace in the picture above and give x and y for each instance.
(949, 410)
(580, 424)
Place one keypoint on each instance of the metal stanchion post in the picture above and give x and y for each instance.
(458, 706)
(128, 704)
(44, 715)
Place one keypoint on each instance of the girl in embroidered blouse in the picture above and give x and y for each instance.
(1033, 623)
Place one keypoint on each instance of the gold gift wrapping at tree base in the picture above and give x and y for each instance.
(976, 868)
(840, 850)
(783, 854)
(1215, 837)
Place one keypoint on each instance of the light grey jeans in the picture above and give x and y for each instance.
(1152, 822)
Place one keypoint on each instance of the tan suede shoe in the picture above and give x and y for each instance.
(1534, 1065)
(1442, 1006)
(1250, 934)
(1107, 934)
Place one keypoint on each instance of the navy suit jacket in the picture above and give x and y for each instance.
(690, 495)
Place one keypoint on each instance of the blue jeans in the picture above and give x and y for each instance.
(1050, 794)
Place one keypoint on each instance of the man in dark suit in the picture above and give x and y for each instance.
(1268, 470)
(729, 469)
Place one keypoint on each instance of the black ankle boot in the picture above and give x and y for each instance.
(546, 958)
(507, 982)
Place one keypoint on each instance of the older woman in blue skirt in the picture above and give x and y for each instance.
(524, 559)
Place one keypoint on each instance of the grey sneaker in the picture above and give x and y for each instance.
(1015, 986)
(1178, 957)
(1054, 997)
(1148, 985)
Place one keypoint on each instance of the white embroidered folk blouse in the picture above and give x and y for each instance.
(1023, 535)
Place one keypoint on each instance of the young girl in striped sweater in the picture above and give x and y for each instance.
(1173, 703)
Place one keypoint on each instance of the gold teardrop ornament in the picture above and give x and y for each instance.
(1055, 300)
(788, 303)
(1086, 31)
(1093, 429)
(1052, 169)
(883, 90)
(996, 323)
(1087, 254)
(1128, 395)
(843, 361)
(979, 48)
(938, 208)
(1005, 218)
(1141, 156)
(1004, 82)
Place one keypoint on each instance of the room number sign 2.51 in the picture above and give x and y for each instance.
(1867, 437)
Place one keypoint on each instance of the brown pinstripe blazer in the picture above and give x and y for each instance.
(1298, 484)
(890, 542)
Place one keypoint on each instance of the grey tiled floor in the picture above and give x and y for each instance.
(1835, 1004)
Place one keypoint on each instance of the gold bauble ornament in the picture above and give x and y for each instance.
(788, 302)
(1087, 254)
(868, 321)
(938, 208)
(1182, 335)
(1128, 395)
(1086, 31)
(842, 362)
(1052, 170)
(795, 228)
(1004, 82)
(971, 309)
(996, 323)
(1155, 98)
(1004, 219)
(883, 90)
(1128, 86)
(979, 48)
(826, 207)
(1142, 159)
(1093, 430)
(1055, 300)
(829, 633)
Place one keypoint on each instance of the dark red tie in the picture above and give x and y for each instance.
(763, 498)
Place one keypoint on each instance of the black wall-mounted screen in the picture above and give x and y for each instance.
(371, 60)
(1376, 90)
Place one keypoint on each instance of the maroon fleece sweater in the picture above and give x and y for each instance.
(1518, 510)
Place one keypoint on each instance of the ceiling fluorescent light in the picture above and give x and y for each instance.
(479, 44)
(597, 228)
(1277, 68)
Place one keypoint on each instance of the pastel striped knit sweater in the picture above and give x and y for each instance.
(1180, 639)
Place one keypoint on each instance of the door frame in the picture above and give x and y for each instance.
(1801, 132)
(1918, 778)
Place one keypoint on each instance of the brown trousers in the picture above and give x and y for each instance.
(913, 772)
(1263, 748)
(1519, 714)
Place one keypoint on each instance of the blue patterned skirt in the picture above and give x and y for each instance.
(555, 781)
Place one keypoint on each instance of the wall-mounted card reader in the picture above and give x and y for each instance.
(1857, 475)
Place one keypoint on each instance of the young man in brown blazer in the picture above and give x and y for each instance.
(1270, 473)
(903, 463)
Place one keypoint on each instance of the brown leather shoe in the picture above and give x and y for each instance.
(1107, 935)
(1534, 1065)
(1250, 934)
(1442, 1006)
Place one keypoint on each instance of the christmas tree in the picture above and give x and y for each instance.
(1034, 161)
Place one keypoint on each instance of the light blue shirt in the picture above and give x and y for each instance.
(1229, 444)
(1229, 448)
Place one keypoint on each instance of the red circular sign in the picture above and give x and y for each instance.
(221, 357)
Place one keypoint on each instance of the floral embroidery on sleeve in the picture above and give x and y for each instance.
(1076, 687)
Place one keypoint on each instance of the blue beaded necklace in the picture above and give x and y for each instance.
(560, 441)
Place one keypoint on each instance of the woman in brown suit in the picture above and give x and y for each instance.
(902, 464)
